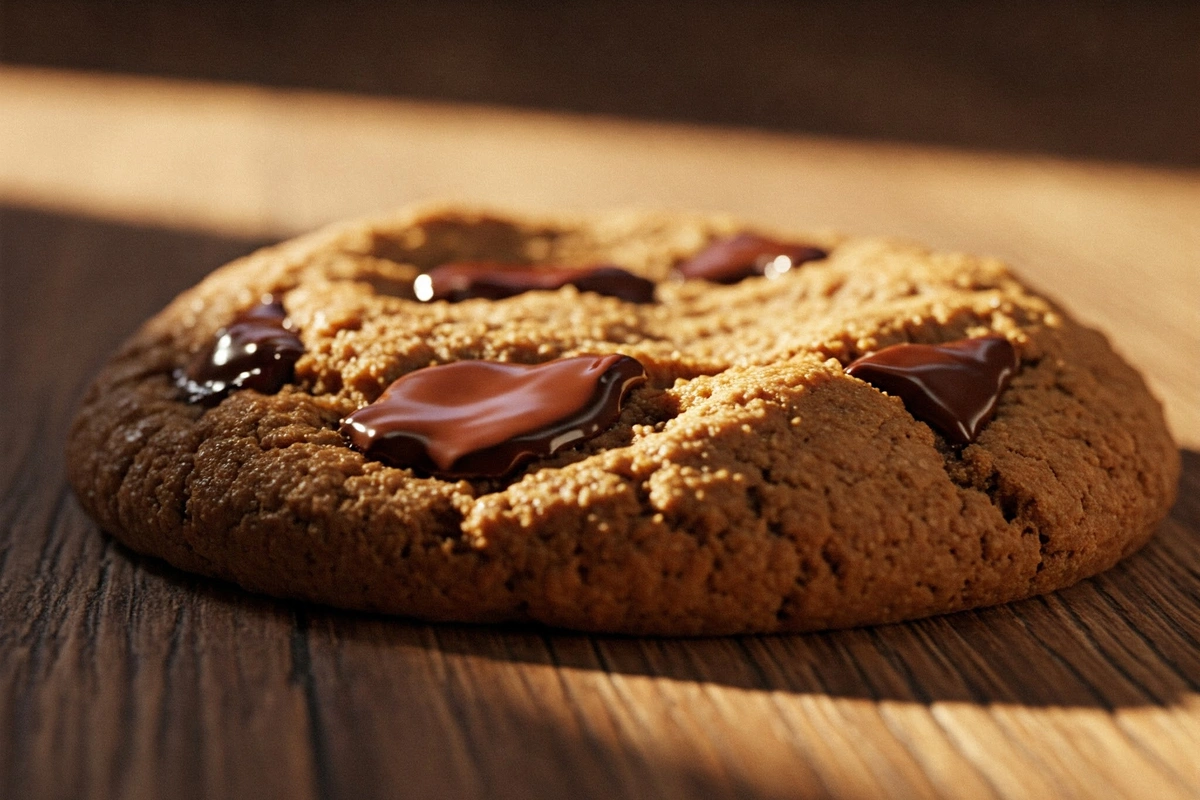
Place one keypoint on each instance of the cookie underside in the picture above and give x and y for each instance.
(750, 485)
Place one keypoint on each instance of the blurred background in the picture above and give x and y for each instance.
(1118, 79)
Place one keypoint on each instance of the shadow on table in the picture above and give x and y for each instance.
(82, 284)
(1128, 637)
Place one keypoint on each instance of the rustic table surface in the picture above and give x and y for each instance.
(122, 677)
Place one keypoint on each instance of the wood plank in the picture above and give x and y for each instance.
(121, 677)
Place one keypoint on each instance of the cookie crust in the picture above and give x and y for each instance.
(749, 486)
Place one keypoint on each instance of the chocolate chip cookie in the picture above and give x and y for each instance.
(644, 423)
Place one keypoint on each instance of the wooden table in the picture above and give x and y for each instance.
(122, 677)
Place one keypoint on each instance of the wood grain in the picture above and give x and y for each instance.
(120, 677)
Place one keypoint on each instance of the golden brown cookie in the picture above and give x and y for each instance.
(748, 484)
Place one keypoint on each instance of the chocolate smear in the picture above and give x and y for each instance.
(486, 418)
(495, 280)
(258, 350)
(746, 255)
(954, 387)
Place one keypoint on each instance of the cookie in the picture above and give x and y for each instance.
(642, 423)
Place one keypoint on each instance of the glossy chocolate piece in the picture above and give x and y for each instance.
(745, 255)
(494, 281)
(486, 418)
(954, 387)
(258, 350)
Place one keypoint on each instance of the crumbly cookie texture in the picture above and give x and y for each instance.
(749, 485)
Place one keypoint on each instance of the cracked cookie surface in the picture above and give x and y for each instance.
(749, 485)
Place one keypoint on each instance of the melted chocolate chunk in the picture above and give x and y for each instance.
(485, 418)
(258, 350)
(954, 387)
(746, 255)
(495, 281)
